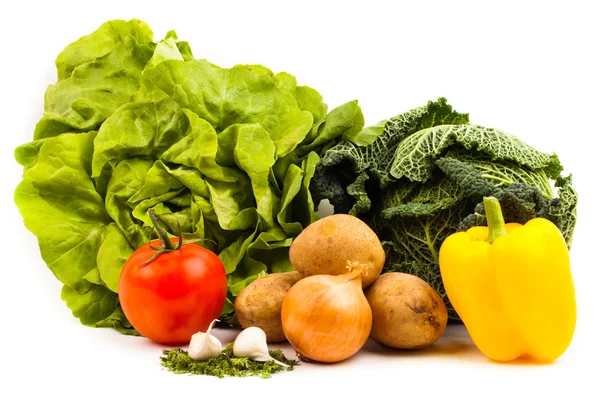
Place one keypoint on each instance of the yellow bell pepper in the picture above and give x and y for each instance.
(512, 287)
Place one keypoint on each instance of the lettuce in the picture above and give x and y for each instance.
(228, 154)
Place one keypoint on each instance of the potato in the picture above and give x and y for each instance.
(407, 312)
(327, 245)
(259, 303)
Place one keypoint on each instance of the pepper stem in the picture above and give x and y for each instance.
(495, 220)
(162, 234)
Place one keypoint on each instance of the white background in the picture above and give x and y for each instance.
(527, 68)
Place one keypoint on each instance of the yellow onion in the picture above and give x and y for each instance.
(327, 318)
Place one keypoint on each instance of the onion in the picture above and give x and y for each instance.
(327, 318)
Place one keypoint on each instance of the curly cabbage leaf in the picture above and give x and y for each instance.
(227, 154)
(424, 178)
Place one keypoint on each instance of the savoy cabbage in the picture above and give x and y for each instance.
(422, 175)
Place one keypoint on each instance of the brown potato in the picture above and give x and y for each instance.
(407, 312)
(327, 245)
(259, 303)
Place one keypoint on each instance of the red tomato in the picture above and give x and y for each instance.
(174, 296)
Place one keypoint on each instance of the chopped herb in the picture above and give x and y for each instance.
(179, 361)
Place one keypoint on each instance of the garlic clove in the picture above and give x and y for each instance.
(259, 356)
(197, 345)
(203, 345)
(215, 342)
(252, 343)
(249, 341)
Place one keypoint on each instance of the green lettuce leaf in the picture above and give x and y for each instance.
(97, 74)
(102, 42)
(291, 188)
(224, 97)
(76, 236)
(98, 307)
(100, 72)
(226, 155)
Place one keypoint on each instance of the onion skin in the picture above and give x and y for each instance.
(327, 318)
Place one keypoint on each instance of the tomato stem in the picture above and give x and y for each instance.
(166, 244)
(162, 234)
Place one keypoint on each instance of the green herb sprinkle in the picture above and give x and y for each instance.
(226, 364)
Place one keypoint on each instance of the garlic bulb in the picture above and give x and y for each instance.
(327, 318)
(252, 343)
(203, 345)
